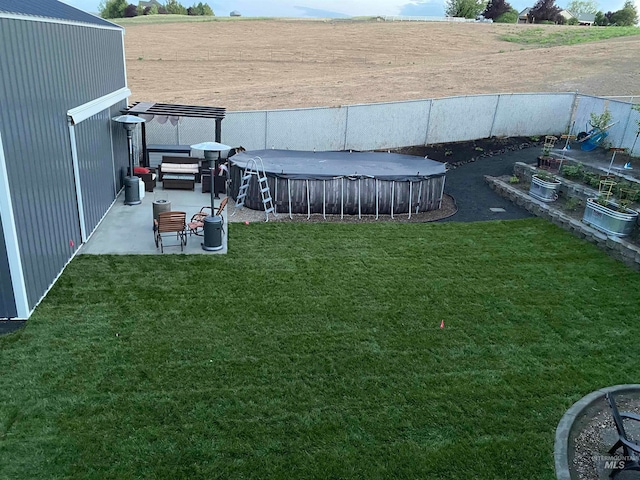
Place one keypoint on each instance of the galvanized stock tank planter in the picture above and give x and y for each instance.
(544, 188)
(609, 219)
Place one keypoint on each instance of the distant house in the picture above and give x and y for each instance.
(583, 18)
(150, 4)
(586, 19)
(566, 14)
(523, 16)
(235, 13)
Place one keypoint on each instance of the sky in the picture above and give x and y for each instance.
(338, 8)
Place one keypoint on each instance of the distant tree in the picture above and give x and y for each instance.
(545, 10)
(175, 8)
(151, 10)
(582, 6)
(131, 11)
(573, 21)
(625, 17)
(206, 10)
(200, 9)
(508, 17)
(601, 20)
(495, 8)
(112, 8)
(162, 10)
(464, 8)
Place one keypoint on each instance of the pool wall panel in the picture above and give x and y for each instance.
(341, 194)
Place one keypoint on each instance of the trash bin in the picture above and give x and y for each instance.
(212, 233)
(131, 191)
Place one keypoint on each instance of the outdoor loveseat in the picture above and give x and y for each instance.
(179, 172)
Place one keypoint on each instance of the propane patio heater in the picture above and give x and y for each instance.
(212, 224)
(131, 182)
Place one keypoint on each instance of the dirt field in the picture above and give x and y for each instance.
(277, 64)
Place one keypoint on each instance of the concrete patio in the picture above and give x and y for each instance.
(128, 229)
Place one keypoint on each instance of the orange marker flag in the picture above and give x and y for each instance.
(442, 324)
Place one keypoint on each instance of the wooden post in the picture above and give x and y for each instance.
(614, 150)
(218, 133)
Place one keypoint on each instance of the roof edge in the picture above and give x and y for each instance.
(61, 21)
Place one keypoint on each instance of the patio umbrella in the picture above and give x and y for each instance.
(131, 192)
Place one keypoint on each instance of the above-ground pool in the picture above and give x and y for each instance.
(352, 183)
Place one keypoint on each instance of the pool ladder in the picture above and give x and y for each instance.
(256, 169)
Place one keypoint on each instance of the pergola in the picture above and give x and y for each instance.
(149, 110)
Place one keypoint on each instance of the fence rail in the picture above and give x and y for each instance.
(409, 123)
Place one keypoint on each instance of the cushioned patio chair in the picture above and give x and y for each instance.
(630, 448)
(148, 176)
(196, 225)
(168, 224)
(223, 204)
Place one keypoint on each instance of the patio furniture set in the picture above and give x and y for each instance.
(172, 223)
(180, 173)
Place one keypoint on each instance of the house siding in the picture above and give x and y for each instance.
(7, 300)
(45, 70)
(120, 145)
(93, 143)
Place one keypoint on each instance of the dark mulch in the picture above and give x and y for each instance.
(8, 326)
(469, 162)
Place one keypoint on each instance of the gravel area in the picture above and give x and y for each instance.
(597, 436)
(244, 214)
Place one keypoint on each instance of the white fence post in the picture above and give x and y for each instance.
(346, 127)
(495, 113)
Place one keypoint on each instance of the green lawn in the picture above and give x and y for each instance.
(314, 351)
(554, 35)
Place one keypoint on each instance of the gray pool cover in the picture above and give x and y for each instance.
(322, 165)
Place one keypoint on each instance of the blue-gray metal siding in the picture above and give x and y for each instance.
(120, 146)
(93, 141)
(7, 300)
(45, 70)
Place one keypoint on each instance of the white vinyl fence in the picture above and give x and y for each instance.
(408, 123)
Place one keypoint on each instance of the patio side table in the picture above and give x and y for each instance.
(160, 206)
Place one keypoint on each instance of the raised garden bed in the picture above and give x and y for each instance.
(544, 189)
(610, 217)
(575, 192)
